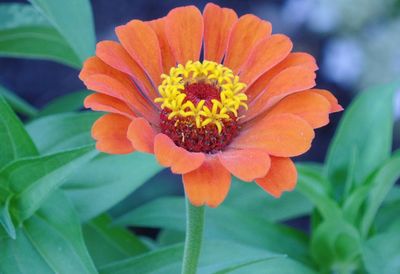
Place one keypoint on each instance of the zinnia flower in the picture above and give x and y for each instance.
(210, 95)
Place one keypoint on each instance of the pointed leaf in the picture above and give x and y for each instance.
(381, 253)
(5, 218)
(276, 266)
(381, 183)
(15, 142)
(18, 104)
(62, 131)
(105, 174)
(33, 179)
(74, 21)
(24, 32)
(107, 243)
(49, 242)
(215, 256)
(67, 103)
(249, 197)
(367, 128)
(312, 185)
(222, 224)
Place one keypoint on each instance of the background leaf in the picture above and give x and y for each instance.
(109, 178)
(311, 184)
(389, 212)
(336, 246)
(62, 131)
(276, 266)
(74, 21)
(107, 243)
(32, 180)
(18, 104)
(381, 253)
(5, 218)
(24, 32)
(215, 256)
(381, 184)
(250, 197)
(365, 129)
(67, 103)
(15, 142)
(222, 224)
(50, 242)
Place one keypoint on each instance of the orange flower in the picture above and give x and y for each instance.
(244, 110)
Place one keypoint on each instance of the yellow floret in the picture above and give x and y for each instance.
(231, 93)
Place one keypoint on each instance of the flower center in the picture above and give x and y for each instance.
(200, 103)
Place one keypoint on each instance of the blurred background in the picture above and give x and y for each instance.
(346, 39)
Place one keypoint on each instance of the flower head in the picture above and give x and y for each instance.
(243, 109)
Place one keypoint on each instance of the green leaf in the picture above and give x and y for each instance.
(336, 246)
(222, 223)
(381, 183)
(62, 131)
(15, 15)
(24, 32)
(5, 218)
(215, 256)
(18, 104)
(15, 142)
(49, 242)
(389, 212)
(353, 204)
(249, 197)
(276, 266)
(169, 237)
(107, 243)
(165, 213)
(381, 253)
(36, 43)
(74, 21)
(312, 185)
(67, 103)
(32, 180)
(366, 128)
(109, 178)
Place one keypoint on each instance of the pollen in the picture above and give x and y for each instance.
(202, 95)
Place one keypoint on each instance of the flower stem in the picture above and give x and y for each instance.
(194, 235)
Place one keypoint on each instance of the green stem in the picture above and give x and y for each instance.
(194, 235)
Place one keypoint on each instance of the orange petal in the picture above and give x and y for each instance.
(288, 81)
(94, 65)
(179, 159)
(113, 54)
(110, 133)
(284, 135)
(102, 102)
(100, 77)
(246, 33)
(293, 59)
(265, 55)
(335, 107)
(282, 176)
(310, 106)
(168, 59)
(129, 94)
(184, 28)
(218, 23)
(246, 164)
(207, 185)
(139, 39)
(141, 135)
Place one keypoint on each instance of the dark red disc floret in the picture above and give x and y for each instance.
(184, 133)
(201, 91)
